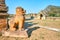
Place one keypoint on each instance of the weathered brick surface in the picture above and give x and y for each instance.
(3, 23)
(3, 14)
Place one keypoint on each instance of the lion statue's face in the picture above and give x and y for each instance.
(20, 11)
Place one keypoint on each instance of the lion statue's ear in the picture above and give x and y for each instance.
(24, 11)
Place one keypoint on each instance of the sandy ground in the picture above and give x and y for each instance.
(37, 33)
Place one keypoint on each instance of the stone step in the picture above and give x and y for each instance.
(22, 34)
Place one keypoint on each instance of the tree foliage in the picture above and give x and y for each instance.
(53, 11)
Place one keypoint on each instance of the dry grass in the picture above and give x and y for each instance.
(50, 23)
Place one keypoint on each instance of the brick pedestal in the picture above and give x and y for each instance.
(3, 21)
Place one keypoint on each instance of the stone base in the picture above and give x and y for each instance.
(22, 34)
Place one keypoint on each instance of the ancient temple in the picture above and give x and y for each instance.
(3, 14)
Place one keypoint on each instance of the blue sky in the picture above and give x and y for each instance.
(31, 6)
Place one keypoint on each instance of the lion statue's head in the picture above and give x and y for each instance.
(20, 11)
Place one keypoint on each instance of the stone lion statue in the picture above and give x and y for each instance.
(17, 21)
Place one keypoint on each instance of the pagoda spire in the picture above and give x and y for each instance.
(3, 6)
(2, 1)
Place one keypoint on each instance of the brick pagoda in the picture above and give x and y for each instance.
(3, 14)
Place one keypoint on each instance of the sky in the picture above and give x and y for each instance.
(31, 6)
